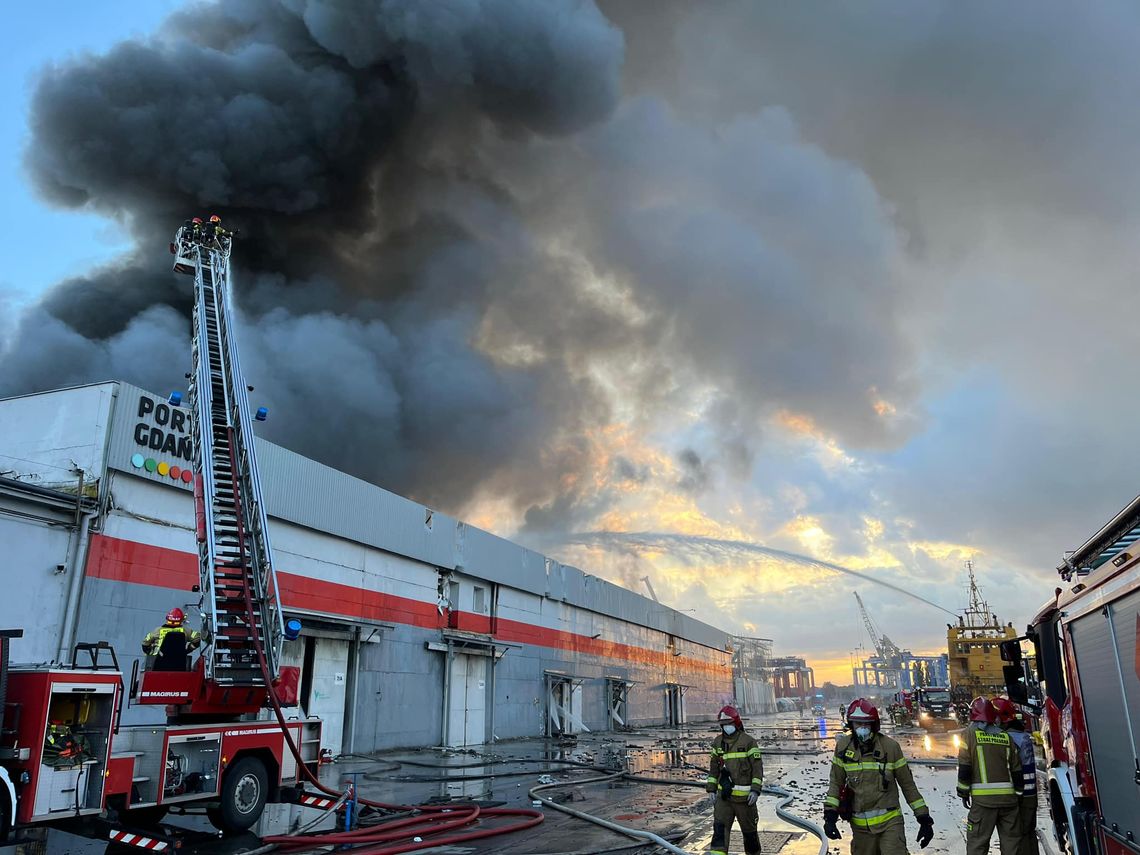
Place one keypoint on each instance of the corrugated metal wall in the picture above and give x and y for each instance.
(310, 494)
(361, 556)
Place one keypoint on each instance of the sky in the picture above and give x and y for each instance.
(660, 290)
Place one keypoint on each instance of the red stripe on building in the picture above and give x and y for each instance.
(121, 560)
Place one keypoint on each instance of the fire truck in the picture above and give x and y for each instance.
(65, 758)
(1086, 686)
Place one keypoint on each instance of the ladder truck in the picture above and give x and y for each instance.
(65, 759)
(1085, 685)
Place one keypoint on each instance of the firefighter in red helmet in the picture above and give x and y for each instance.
(170, 644)
(1012, 721)
(867, 773)
(736, 776)
(989, 782)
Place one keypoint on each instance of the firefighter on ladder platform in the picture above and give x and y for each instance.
(989, 782)
(867, 772)
(171, 644)
(736, 777)
(1010, 719)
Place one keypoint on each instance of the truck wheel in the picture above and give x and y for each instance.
(245, 789)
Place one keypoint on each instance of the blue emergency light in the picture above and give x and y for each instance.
(292, 629)
(262, 414)
(175, 399)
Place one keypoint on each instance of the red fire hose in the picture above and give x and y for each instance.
(381, 840)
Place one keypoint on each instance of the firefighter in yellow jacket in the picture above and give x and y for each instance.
(989, 782)
(736, 776)
(867, 772)
(170, 644)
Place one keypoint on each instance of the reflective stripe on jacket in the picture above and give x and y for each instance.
(153, 641)
(989, 768)
(1024, 743)
(875, 773)
(740, 755)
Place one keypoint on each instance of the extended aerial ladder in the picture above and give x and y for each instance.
(236, 576)
(243, 626)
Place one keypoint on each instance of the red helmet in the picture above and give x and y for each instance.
(197, 220)
(862, 711)
(174, 617)
(1005, 711)
(982, 710)
(729, 713)
(214, 218)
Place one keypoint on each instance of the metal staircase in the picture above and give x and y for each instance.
(239, 587)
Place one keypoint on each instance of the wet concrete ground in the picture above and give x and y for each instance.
(797, 752)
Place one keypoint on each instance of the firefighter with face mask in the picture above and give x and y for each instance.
(867, 773)
(989, 782)
(736, 776)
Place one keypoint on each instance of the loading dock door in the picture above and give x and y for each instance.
(467, 712)
(564, 706)
(324, 670)
(617, 703)
(326, 698)
(674, 704)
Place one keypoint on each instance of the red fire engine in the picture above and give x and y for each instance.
(1087, 645)
(64, 758)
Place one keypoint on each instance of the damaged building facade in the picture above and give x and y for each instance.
(419, 629)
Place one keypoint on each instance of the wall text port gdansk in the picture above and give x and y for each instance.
(162, 428)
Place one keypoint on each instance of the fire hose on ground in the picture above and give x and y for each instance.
(782, 812)
(432, 826)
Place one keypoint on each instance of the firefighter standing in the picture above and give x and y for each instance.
(215, 230)
(1010, 720)
(736, 776)
(989, 781)
(171, 643)
(867, 772)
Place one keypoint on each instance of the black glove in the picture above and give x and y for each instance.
(830, 817)
(925, 831)
(965, 797)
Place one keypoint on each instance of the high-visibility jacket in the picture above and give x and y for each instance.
(739, 755)
(989, 768)
(153, 641)
(874, 772)
(1024, 744)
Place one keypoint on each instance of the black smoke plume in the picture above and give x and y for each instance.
(462, 249)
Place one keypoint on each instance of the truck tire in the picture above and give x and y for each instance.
(245, 789)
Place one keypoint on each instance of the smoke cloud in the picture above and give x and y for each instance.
(853, 283)
(463, 248)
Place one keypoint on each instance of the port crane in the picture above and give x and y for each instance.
(888, 651)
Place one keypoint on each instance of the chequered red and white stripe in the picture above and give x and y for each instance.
(309, 800)
(138, 841)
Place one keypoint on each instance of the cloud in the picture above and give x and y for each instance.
(855, 284)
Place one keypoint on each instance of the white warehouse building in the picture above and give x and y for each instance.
(419, 629)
